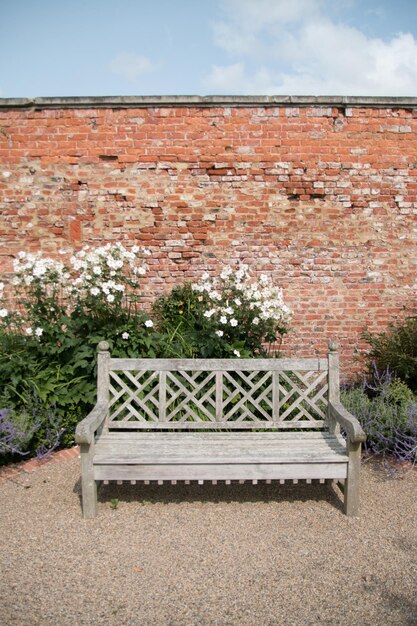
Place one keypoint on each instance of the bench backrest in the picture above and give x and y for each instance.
(185, 394)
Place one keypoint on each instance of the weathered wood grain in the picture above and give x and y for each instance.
(298, 471)
(214, 365)
(169, 420)
(351, 488)
(88, 481)
(84, 432)
(348, 422)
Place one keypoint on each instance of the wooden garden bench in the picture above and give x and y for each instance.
(219, 420)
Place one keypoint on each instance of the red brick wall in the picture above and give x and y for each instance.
(323, 198)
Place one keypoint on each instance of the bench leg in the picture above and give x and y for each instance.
(88, 484)
(351, 490)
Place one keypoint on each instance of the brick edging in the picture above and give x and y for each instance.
(31, 465)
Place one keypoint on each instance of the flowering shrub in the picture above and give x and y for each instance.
(387, 411)
(98, 280)
(233, 315)
(108, 277)
(63, 308)
(61, 311)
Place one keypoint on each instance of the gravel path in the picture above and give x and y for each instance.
(207, 556)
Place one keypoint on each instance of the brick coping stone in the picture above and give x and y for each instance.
(117, 102)
(13, 470)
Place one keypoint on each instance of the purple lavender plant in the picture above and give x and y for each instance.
(387, 411)
(13, 437)
(36, 433)
(52, 432)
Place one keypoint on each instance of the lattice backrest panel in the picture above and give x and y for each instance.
(228, 394)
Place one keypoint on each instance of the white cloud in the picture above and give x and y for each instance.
(293, 47)
(221, 77)
(130, 66)
(234, 79)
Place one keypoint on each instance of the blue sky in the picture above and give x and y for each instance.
(202, 47)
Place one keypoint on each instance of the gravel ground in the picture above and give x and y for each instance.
(207, 555)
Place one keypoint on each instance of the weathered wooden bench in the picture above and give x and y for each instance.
(219, 420)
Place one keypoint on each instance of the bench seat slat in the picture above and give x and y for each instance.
(211, 449)
(219, 436)
(252, 471)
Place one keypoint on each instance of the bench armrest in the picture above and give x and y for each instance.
(85, 430)
(347, 421)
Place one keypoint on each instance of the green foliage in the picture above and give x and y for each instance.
(387, 411)
(49, 337)
(395, 350)
(60, 311)
(233, 315)
(186, 332)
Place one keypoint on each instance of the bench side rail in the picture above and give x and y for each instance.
(214, 365)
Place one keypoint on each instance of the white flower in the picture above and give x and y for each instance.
(39, 270)
(125, 335)
(219, 333)
(223, 319)
(228, 311)
(39, 331)
(3, 312)
(237, 301)
(94, 291)
(97, 270)
(29, 331)
(135, 249)
(226, 273)
(233, 322)
(255, 321)
(236, 352)
(110, 297)
(209, 313)
(149, 323)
